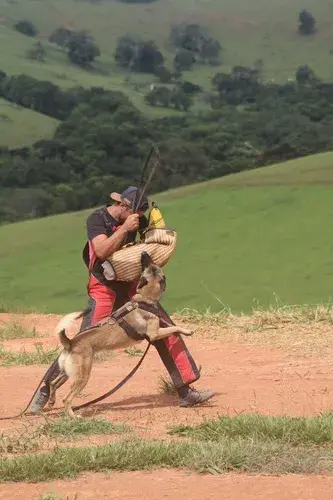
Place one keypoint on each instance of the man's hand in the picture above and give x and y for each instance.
(131, 223)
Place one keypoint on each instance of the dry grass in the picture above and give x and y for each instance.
(54, 496)
(37, 357)
(21, 441)
(298, 329)
(166, 386)
(11, 331)
(134, 351)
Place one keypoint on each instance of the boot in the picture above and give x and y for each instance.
(195, 397)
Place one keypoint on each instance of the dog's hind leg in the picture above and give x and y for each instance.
(80, 380)
(54, 386)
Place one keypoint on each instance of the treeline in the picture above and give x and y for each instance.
(102, 139)
(41, 95)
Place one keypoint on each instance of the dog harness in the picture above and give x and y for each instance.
(119, 317)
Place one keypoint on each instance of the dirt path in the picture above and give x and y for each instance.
(171, 485)
(246, 379)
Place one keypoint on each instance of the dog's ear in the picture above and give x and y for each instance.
(145, 260)
(142, 282)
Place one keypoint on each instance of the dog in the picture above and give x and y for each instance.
(76, 359)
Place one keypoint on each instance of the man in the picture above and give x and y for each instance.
(108, 229)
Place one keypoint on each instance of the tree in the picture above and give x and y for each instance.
(196, 39)
(210, 51)
(82, 49)
(160, 96)
(148, 58)
(138, 55)
(305, 74)
(190, 88)
(125, 51)
(180, 100)
(183, 60)
(61, 36)
(164, 74)
(26, 27)
(240, 86)
(307, 23)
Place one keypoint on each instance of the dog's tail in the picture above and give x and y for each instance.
(64, 323)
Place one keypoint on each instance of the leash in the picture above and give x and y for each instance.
(126, 379)
(118, 386)
(100, 398)
(93, 401)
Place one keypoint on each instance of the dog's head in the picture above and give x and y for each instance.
(152, 282)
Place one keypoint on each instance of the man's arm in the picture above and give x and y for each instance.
(105, 246)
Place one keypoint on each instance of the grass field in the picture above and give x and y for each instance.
(248, 31)
(21, 126)
(243, 240)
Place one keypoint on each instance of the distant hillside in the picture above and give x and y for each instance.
(248, 32)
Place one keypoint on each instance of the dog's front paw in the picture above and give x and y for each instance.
(188, 333)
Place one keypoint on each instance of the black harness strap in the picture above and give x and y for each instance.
(152, 308)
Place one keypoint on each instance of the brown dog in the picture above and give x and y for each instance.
(138, 317)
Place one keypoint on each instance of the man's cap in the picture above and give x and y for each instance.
(130, 197)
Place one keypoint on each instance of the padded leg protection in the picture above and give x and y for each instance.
(176, 357)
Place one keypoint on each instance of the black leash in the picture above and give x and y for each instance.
(84, 405)
(104, 396)
(131, 373)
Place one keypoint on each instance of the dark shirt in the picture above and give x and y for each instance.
(101, 222)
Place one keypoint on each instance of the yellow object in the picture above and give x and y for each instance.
(155, 219)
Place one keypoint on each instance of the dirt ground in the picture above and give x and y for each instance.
(247, 377)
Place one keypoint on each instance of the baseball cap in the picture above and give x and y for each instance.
(131, 196)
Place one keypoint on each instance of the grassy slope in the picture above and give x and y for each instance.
(237, 242)
(20, 126)
(248, 31)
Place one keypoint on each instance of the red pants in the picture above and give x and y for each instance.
(172, 350)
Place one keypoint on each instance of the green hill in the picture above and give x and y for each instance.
(20, 126)
(242, 239)
(248, 32)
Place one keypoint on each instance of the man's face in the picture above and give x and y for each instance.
(125, 211)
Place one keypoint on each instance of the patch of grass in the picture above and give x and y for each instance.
(246, 455)
(79, 427)
(295, 431)
(166, 386)
(55, 496)
(134, 351)
(16, 331)
(37, 357)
